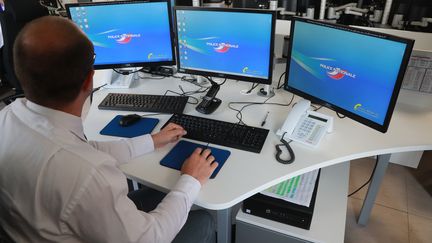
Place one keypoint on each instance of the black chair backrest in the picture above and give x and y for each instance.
(17, 13)
(4, 238)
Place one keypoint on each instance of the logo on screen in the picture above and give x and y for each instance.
(336, 73)
(359, 108)
(221, 47)
(124, 38)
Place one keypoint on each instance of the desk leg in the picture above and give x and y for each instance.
(374, 186)
(224, 226)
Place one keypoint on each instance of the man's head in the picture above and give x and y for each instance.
(52, 58)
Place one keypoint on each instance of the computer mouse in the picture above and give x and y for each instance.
(129, 120)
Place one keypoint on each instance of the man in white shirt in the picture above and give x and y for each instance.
(54, 184)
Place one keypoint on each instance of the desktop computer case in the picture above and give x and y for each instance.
(280, 210)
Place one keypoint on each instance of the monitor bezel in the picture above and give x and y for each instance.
(398, 83)
(225, 75)
(132, 64)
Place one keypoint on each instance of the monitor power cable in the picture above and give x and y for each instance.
(254, 85)
(279, 85)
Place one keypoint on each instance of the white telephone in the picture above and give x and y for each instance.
(306, 126)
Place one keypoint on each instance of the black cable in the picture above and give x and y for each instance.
(367, 182)
(279, 86)
(340, 116)
(279, 151)
(239, 114)
(254, 85)
(223, 82)
(318, 108)
(94, 90)
(182, 94)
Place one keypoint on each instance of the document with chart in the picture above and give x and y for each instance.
(296, 190)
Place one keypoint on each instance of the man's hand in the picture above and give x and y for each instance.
(200, 165)
(170, 133)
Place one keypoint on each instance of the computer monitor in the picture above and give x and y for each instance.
(357, 73)
(127, 34)
(226, 43)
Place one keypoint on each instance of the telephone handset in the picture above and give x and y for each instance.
(306, 126)
(209, 102)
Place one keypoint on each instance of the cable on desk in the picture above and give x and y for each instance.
(367, 182)
(340, 116)
(198, 91)
(223, 82)
(279, 151)
(318, 108)
(254, 85)
(279, 86)
(239, 114)
(184, 94)
(94, 90)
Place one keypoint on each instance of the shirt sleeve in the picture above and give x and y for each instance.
(126, 149)
(104, 213)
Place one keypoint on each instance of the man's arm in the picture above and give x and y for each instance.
(104, 213)
(126, 149)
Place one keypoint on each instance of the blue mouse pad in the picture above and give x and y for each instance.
(183, 149)
(141, 127)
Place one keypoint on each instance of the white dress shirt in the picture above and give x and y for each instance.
(57, 187)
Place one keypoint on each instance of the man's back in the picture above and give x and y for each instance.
(38, 184)
(55, 185)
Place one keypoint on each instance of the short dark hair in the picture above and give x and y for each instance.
(52, 58)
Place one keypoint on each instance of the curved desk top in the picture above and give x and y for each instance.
(246, 173)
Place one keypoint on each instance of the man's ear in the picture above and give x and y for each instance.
(88, 82)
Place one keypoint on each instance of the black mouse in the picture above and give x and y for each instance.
(129, 120)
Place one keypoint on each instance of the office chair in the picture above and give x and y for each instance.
(16, 14)
(4, 238)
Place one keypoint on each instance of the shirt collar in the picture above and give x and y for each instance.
(59, 118)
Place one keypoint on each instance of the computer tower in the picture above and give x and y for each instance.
(280, 210)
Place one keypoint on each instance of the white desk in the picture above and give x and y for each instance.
(246, 173)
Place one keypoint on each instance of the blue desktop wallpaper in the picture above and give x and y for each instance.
(126, 33)
(352, 71)
(225, 42)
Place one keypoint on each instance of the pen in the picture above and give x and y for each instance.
(265, 118)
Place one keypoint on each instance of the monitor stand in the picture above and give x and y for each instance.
(200, 80)
(121, 81)
(266, 91)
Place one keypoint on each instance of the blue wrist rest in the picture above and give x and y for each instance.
(183, 149)
(141, 127)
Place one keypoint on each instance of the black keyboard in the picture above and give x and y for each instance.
(222, 133)
(144, 103)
